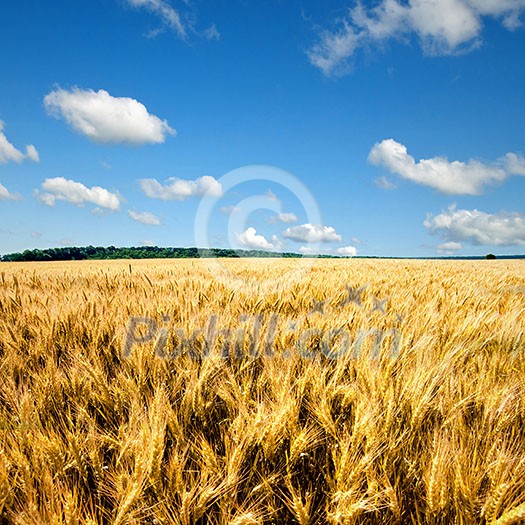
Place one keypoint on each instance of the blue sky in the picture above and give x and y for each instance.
(403, 120)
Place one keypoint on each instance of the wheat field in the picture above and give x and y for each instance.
(386, 392)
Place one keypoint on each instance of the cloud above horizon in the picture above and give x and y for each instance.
(250, 239)
(450, 177)
(344, 251)
(448, 248)
(312, 233)
(105, 119)
(61, 189)
(181, 189)
(477, 228)
(347, 251)
(144, 217)
(8, 153)
(442, 27)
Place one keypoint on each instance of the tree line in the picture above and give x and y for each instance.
(80, 253)
(75, 253)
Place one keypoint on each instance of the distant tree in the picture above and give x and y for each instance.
(490, 256)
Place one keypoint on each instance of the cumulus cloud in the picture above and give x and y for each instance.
(252, 240)
(442, 27)
(180, 189)
(144, 217)
(514, 164)
(348, 251)
(6, 195)
(106, 119)
(61, 189)
(312, 233)
(287, 218)
(8, 153)
(451, 177)
(478, 228)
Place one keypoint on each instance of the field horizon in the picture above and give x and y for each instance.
(164, 252)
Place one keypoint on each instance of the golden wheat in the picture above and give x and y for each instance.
(238, 431)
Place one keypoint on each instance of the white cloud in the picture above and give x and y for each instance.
(309, 250)
(32, 153)
(287, 218)
(144, 217)
(312, 233)
(62, 189)
(181, 21)
(514, 164)
(6, 195)
(107, 119)
(448, 177)
(478, 228)
(345, 251)
(169, 15)
(252, 240)
(47, 198)
(349, 251)
(448, 248)
(507, 10)
(179, 189)
(8, 153)
(442, 27)
(333, 50)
